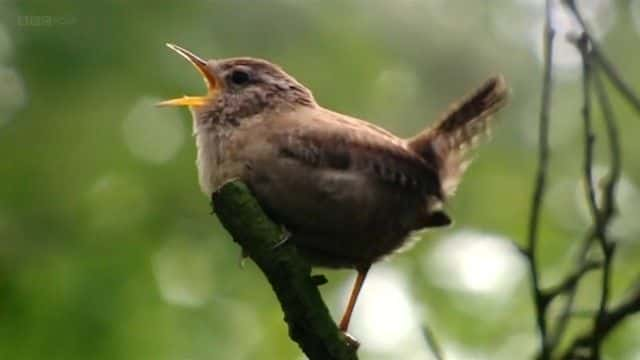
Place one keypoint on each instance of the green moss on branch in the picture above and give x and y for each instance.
(309, 321)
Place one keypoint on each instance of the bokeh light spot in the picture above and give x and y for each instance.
(625, 225)
(475, 262)
(184, 273)
(153, 134)
(521, 22)
(386, 318)
(12, 93)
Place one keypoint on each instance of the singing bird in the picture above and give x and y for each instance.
(348, 192)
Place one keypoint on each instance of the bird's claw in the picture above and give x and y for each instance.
(243, 258)
(286, 235)
(352, 342)
(319, 279)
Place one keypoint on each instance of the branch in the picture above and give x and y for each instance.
(432, 344)
(604, 214)
(540, 300)
(570, 282)
(309, 321)
(609, 206)
(583, 266)
(611, 319)
(602, 60)
(601, 217)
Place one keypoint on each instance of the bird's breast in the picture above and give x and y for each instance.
(215, 162)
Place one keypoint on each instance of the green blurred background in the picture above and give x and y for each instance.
(107, 247)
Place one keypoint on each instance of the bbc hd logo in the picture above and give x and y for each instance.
(45, 20)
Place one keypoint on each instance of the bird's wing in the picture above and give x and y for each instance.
(342, 188)
(334, 141)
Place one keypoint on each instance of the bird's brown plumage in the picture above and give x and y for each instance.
(348, 191)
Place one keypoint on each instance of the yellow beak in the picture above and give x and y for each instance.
(213, 85)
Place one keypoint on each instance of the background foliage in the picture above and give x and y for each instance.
(107, 248)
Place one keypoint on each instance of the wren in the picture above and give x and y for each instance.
(348, 192)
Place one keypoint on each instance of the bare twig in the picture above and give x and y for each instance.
(602, 60)
(569, 286)
(571, 291)
(569, 283)
(589, 138)
(610, 320)
(432, 343)
(609, 206)
(601, 215)
(541, 301)
(607, 210)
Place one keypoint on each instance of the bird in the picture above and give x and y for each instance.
(349, 193)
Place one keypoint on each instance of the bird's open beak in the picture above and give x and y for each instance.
(213, 85)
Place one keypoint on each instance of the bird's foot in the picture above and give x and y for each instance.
(286, 235)
(319, 279)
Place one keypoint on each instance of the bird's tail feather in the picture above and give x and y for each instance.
(447, 143)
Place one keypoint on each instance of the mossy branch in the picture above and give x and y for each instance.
(309, 321)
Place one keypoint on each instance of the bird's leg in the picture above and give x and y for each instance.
(357, 286)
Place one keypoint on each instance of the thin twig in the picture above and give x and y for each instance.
(604, 319)
(432, 343)
(570, 281)
(602, 215)
(567, 310)
(611, 319)
(602, 60)
(609, 207)
(589, 139)
(569, 286)
(540, 300)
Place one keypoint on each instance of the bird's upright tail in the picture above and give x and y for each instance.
(446, 143)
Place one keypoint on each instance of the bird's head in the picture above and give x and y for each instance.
(238, 88)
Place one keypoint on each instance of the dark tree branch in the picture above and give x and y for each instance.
(541, 301)
(310, 324)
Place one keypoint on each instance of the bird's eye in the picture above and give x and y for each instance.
(239, 77)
